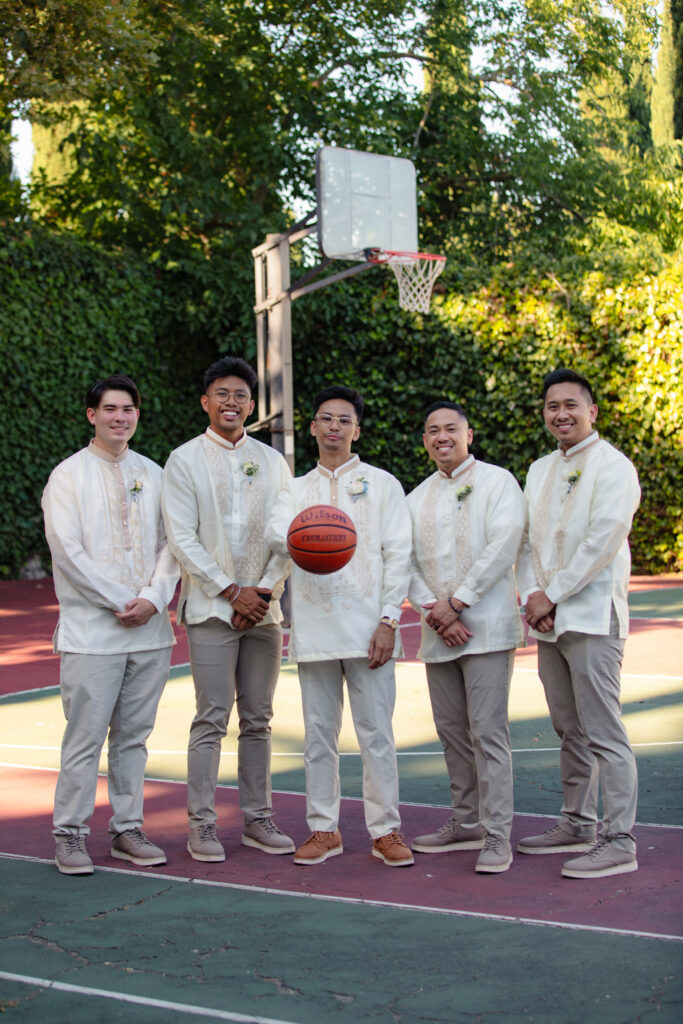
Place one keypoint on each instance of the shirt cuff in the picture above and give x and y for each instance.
(148, 594)
(390, 611)
(465, 595)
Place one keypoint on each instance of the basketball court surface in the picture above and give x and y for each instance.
(258, 938)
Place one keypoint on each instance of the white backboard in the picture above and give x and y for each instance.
(365, 201)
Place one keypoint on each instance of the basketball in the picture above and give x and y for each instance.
(321, 539)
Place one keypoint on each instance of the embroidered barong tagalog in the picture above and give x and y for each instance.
(254, 555)
(572, 471)
(433, 527)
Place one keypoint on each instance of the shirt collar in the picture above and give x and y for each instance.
(346, 468)
(459, 470)
(106, 456)
(217, 439)
(587, 442)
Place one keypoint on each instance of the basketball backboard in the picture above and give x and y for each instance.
(365, 201)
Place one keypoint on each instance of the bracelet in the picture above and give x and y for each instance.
(234, 596)
(452, 606)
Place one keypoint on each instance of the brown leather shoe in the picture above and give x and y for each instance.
(318, 847)
(392, 850)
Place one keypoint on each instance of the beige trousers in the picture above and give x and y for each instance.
(115, 692)
(581, 677)
(469, 698)
(372, 695)
(230, 666)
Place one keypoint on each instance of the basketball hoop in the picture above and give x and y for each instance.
(415, 273)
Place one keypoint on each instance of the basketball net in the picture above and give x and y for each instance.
(415, 273)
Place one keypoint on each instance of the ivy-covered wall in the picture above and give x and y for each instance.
(70, 312)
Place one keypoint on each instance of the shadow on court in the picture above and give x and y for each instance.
(259, 939)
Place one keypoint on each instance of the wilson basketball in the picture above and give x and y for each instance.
(321, 539)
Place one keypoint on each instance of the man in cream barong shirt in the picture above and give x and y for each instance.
(218, 492)
(573, 574)
(114, 577)
(468, 519)
(344, 626)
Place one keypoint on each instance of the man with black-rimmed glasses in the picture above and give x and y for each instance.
(218, 492)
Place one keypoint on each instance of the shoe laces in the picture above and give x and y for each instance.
(447, 829)
(492, 841)
(138, 837)
(393, 837)
(75, 844)
(599, 847)
(207, 832)
(269, 826)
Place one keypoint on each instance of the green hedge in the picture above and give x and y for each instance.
(490, 349)
(70, 312)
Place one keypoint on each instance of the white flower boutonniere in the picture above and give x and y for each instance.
(357, 488)
(463, 493)
(572, 479)
(135, 489)
(250, 469)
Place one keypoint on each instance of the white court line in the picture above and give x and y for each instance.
(122, 997)
(295, 793)
(342, 753)
(360, 901)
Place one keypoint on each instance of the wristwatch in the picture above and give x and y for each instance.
(386, 621)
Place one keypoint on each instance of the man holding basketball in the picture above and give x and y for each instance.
(468, 519)
(218, 492)
(344, 627)
(573, 573)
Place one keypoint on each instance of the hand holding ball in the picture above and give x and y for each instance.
(321, 539)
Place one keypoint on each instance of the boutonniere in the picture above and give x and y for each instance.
(357, 488)
(463, 493)
(250, 469)
(572, 479)
(135, 489)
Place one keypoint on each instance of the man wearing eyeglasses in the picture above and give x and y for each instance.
(217, 496)
(344, 627)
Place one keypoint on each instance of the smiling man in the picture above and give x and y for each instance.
(573, 574)
(468, 519)
(344, 628)
(114, 577)
(218, 492)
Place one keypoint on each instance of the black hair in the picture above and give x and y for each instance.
(444, 403)
(231, 366)
(565, 376)
(119, 382)
(339, 391)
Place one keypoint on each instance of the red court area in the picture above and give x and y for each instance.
(643, 902)
(28, 616)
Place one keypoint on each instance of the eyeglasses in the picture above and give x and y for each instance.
(327, 421)
(241, 397)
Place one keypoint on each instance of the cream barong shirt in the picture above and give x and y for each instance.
(334, 616)
(467, 528)
(580, 505)
(104, 527)
(217, 499)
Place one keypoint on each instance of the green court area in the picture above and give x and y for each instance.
(653, 714)
(349, 940)
(199, 952)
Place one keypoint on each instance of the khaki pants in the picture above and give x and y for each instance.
(228, 666)
(372, 695)
(580, 675)
(115, 692)
(469, 698)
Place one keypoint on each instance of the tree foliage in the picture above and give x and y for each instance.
(187, 132)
